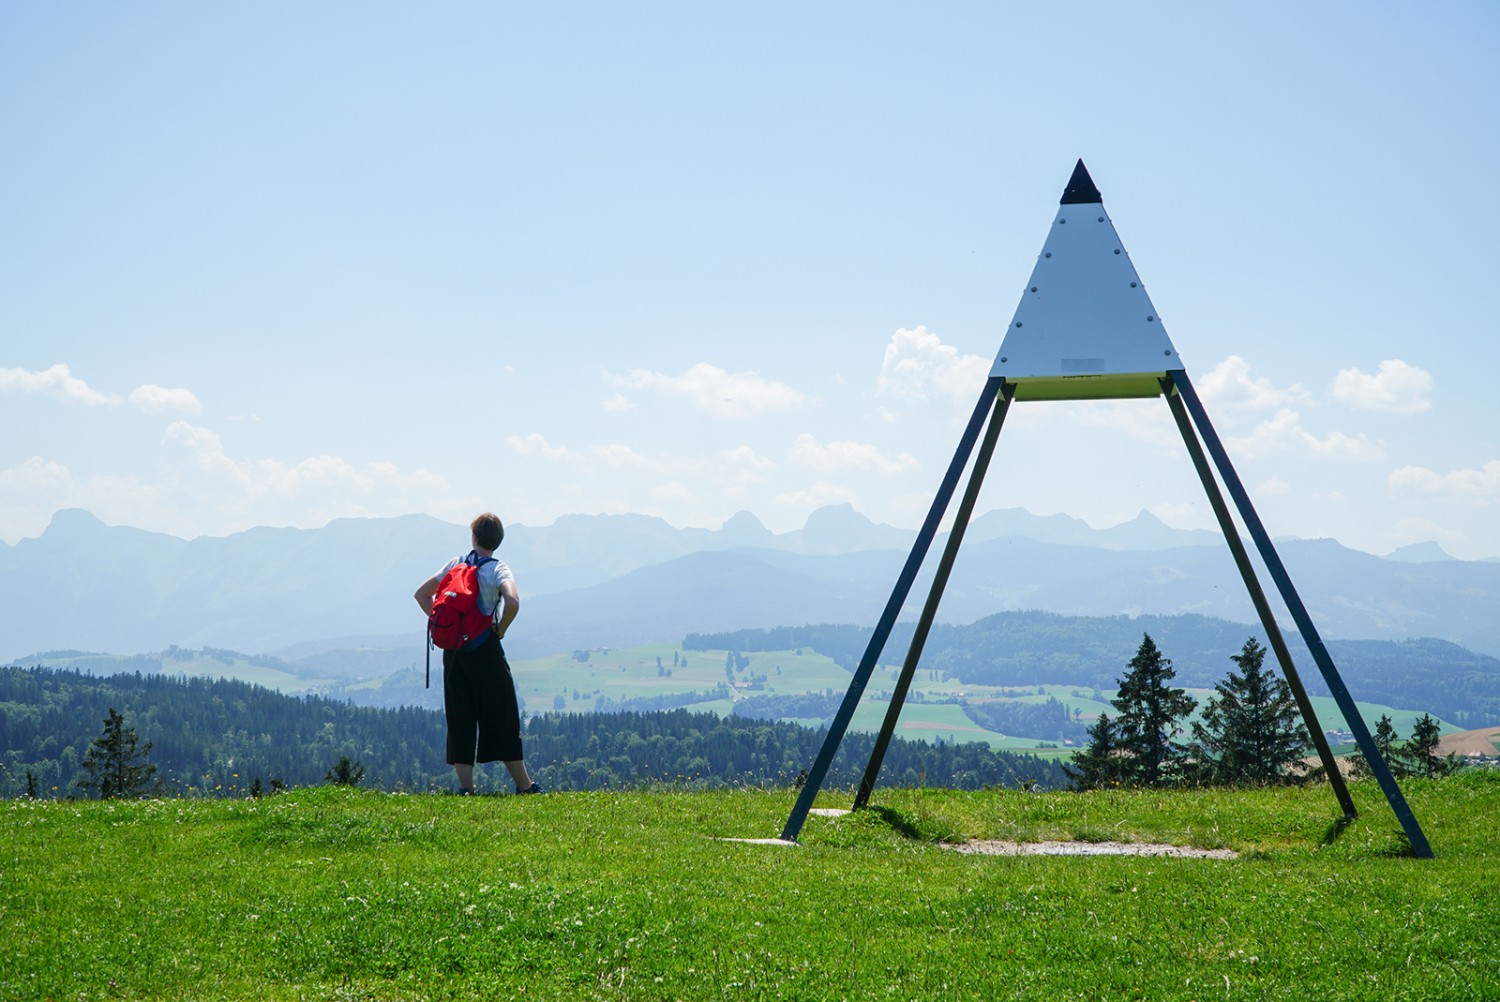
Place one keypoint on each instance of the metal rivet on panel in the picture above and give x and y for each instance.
(1048, 254)
(1167, 351)
(1133, 285)
(1101, 219)
(1033, 288)
(1117, 250)
(1149, 319)
(1004, 359)
(1018, 323)
(1061, 221)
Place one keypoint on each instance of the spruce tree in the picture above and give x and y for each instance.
(345, 772)
(1421, 751)
(114, 763)
(1100, 764)
(1149, 711)
(1251, 731)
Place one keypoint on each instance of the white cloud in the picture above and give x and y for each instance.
(1275, 487)
(154, 399)
(1284, 433)
(919, 366)
(58, 381)
(717, 392)
(1481, 485)
(1397, 388)
(614, 454)
(835, 456)
(1231, 387)
(616, 403)
(34, 474)
(320, 473)
(537, 445)
(622, 456)
(748, 461)
(206, 448)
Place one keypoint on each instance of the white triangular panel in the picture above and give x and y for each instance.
(1085, 328)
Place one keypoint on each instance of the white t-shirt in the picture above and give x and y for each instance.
(491, 575)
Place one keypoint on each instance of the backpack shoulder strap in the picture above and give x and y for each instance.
(476, 561)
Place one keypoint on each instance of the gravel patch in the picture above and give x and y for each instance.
(999, 848)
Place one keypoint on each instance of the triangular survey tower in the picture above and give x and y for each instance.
(1085, 329)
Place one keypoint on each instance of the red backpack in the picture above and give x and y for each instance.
(457, 622)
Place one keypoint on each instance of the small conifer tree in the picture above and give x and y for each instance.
(345, 772)
(1385, 743)
(1421, 753)
(1251, 731)
(115, 765)
(1102, 763)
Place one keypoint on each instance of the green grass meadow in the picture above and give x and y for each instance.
(343, 894)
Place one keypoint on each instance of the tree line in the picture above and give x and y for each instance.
(218, 737)
(1250, 732)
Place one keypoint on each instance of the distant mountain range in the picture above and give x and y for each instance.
(592, 581)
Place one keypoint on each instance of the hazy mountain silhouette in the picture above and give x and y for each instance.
(590, 581)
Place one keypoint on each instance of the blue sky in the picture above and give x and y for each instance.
(276, 264)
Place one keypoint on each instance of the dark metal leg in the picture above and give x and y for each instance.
(1258, 597)
(934, 596)
(1272, 560)
(845, 713)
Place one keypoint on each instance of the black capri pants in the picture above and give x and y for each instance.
(479, 701)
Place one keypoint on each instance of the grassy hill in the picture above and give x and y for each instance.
(337, 894)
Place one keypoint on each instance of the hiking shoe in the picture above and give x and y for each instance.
(533, 788)
(466, 791)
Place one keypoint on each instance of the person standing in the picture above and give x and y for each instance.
(479, 695)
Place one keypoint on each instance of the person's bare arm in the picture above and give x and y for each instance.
(425, 594)
(510, 604)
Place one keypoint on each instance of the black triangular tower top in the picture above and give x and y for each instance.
(1080, 189)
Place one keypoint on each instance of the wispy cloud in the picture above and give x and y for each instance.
(57, 381)
(837, 456)
(272, 477)
(35, 473)
(1481, 485)
(1284, 433)
(153, 399)
(716, 391)
(1397, 388)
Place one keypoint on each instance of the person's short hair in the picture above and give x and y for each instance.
(488, 532)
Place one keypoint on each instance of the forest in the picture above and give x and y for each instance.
(229, 738)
